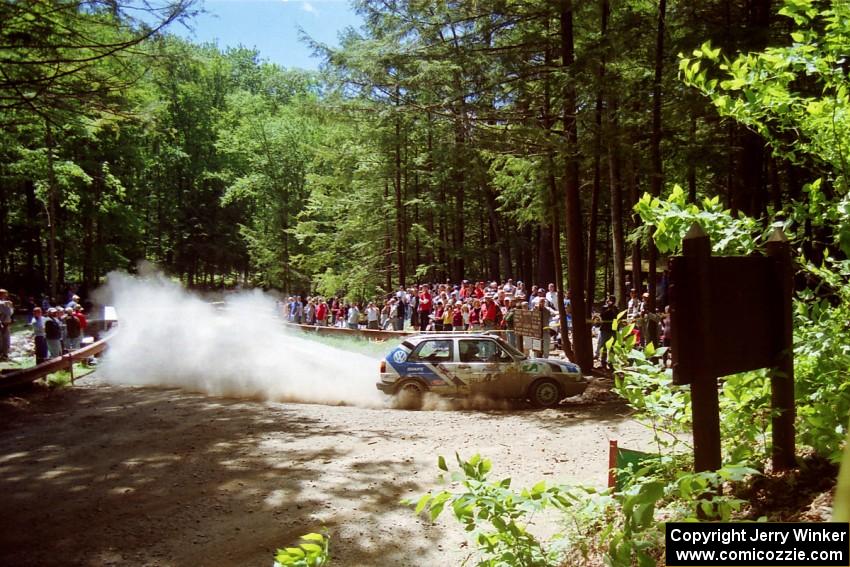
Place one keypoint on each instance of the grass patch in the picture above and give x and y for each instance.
(63, 377)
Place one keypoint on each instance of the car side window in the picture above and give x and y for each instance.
(482, 351)
(432, 351)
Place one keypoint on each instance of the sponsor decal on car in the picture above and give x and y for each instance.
(399, 356)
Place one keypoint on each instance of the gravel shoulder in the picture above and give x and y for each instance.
(101, 474)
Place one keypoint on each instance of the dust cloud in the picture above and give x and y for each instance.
(169, 337)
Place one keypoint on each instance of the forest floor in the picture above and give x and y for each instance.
(98, 474)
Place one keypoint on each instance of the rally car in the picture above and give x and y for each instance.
(476, 364)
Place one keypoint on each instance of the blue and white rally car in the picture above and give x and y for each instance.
(476, 364)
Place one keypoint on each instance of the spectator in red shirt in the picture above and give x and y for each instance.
(489, 314)
(475, 316)
(322, 314)
(479, 290)
(457, 317)
(79, 313)
(424, 307)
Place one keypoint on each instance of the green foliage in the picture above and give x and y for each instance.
(521, 187)
(495, 515)
(795, 95)
(667, 220)
(821, 336)
(627, 525)
(313, 551)
(656, 494)
(822, 360)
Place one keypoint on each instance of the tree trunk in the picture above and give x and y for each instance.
(524, 260)
(597, 168)
(443, 242)
(388, 251)
(552, 207)
(4, 246)
(692, 169)
(575, 245)
(617, 233)
(657, 178)
(431, 225)
(545, 256)
(498, 246)
(457, 261)
(637, 270)
(399, 208)
(749, 189)
(52, 189)
(505, 255)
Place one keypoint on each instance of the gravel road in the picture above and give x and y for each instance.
(101, 474)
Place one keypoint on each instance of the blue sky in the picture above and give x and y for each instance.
(271, 26)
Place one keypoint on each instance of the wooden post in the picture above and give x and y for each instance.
(696, 248)
(783, 454)
(612, 463)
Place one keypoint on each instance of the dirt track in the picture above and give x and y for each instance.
(110, 475)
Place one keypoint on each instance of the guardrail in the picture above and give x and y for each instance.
(18, 378)
(377, 335)
(370, 334)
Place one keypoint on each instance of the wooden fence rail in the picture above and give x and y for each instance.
(376, 335)
(65, 362)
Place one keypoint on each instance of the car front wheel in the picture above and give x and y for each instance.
(545, 393)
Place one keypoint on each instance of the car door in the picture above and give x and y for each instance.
(431, 361)
(485, 367)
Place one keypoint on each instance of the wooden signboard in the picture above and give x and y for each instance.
(743, 324)
(728, 315)
(529, 324)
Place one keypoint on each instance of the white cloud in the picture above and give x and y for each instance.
(307, 7)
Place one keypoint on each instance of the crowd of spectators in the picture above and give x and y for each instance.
(56, 329)
(467, 306)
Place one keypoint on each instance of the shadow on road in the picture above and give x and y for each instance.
(121, 476)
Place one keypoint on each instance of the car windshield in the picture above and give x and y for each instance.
(514, 352)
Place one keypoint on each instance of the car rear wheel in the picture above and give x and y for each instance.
(545, 393)
(409, 394)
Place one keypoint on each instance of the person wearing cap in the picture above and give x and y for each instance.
(448, 317)
(39, 338)
(373, 314)
(53, 333)
(520, 291)
(73, 329)
(6, 312)
(438, 316)
(400, 312)
(489, 314)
